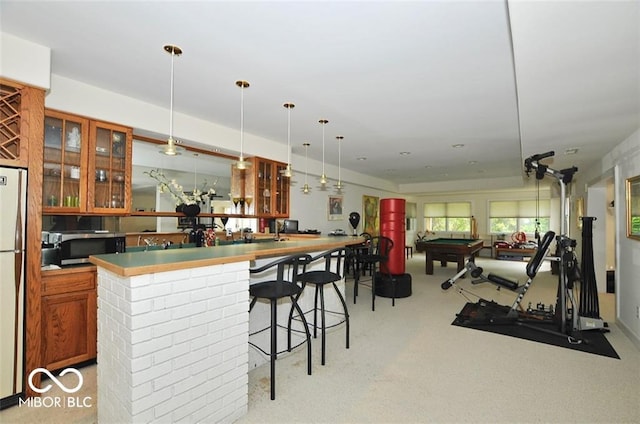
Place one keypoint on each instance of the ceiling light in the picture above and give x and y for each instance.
(287, 172)
(305, 189)
(339, 186)
(457, 146)
(361, 158)
(405, 153)
(473, 162)
(171, 149)
(241, 163)
(323, 177)
(571, 151)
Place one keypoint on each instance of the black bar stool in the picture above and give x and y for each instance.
(284, 285)
(352, 264)
(370, 256)
(334, 262)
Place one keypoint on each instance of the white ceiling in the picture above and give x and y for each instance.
(389, 76)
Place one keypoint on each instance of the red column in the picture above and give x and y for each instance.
(392, 225)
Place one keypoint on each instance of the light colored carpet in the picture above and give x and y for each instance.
(408, 364)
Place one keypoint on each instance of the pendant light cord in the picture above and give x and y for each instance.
(171, 98)
(324, 121)
(241, 121)
(289, 135)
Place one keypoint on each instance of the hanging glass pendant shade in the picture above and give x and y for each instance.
(339, 185)
(171, 149)
(305, 188)
(288, 172)
(323, 178)
(241, 163)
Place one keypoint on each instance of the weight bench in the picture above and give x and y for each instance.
(532, 269)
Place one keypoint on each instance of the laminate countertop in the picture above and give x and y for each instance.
(140, 263)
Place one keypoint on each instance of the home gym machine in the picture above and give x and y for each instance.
(569, 317)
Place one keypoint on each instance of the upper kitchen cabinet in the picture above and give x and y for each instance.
(65, 143)
(109, 173)
(21, 110)
(262, 190)
(86, 166)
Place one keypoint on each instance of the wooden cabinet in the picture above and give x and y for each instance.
(65, 144)
(69, 317)
(20, 121)
(86, 166)
(109, 174)
(262, 190)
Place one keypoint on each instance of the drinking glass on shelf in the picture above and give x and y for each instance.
(235, 199)
(249, 200)
(242, 211)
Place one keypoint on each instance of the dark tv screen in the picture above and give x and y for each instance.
(290, 226)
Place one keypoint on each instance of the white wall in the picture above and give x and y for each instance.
(626, 157)
(611, 225)
(24, 61)
(311, 209)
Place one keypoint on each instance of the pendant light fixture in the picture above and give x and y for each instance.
(306, 189)
(339, 186)
(241, 163)
(287, 172)
(171, 149)
(323, 177)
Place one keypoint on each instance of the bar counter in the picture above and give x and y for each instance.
(139, 263)
(173, 329)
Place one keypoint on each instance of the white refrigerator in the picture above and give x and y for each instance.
(13, 188)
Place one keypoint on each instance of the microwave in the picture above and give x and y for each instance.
(75, 247)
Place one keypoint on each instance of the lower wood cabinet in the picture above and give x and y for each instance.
(69, 317)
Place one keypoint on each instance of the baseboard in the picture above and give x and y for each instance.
(634, 339)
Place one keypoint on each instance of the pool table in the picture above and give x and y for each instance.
(448, 250)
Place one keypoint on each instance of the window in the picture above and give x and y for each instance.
(511, 216)
(451, 217)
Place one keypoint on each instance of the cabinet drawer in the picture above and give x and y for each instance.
(68, 283)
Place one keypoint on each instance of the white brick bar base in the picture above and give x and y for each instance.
(172, 346)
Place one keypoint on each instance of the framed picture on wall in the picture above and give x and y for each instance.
(371, 223)
(335, 208)
(633, 208)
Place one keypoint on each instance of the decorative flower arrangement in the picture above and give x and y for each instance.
(177, 192)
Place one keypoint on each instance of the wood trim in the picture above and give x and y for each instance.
(187, 147)
(33, 127)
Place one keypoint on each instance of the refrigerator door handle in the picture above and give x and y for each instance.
(18, 280)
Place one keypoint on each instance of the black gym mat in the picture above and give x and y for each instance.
(477, 315)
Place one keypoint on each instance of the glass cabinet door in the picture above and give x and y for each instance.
(109, 168)
(263, 191)
(65, 138)
(263, 188)
(281, 198)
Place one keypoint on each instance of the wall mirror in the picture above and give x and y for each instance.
(154, 211)
(633, 207)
